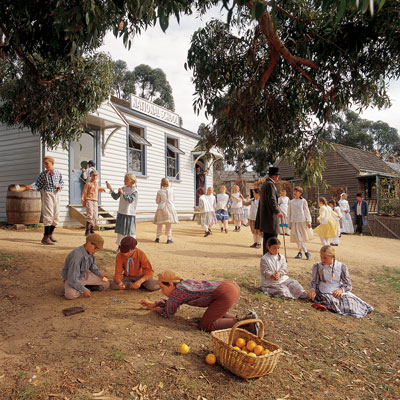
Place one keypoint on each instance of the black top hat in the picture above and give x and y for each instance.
(273, 171)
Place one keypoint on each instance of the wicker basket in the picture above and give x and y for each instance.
(239, 363)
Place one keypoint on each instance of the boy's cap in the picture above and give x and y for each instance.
(94, 172)
(127, 243)
(96, 239)
(91, 162)
(168, 276)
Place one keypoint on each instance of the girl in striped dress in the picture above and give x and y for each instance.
(126, 216)
(331, 286)
(237, 207)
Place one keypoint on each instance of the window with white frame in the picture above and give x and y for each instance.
(137, 150)
(172, 156)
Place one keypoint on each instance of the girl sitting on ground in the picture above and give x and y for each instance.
(274, 279)
(331, 286)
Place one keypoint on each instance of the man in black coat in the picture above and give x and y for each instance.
(268, 214)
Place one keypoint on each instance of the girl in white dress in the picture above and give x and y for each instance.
(246, 210)
(166, 213)
(299, 222)
(347, 223)
(207, 205)
(257, 235)
(274, 279)
(283, 202)
(237, 207)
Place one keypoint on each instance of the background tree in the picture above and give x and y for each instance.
(286, 62)
(353, 131)
(150, 84)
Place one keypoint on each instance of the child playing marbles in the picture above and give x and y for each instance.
(80, 273)
(331, 286)
(132, 268)
(217, 296)
(274, 279)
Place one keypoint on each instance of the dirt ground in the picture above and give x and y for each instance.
(117, 350)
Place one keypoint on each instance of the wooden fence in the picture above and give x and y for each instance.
(384, 226)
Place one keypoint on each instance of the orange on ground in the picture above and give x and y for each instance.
(184, 348)
(240, 342)
(211, 359)
(258, 350)
(251, 344)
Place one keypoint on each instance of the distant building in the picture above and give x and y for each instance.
(230, 178)
(349, 170)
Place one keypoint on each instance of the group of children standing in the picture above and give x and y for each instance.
(214, 209)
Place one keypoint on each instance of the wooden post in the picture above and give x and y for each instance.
(378, 202)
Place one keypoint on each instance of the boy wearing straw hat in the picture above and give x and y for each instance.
(50, 183)
(80, 273)
(217, 296)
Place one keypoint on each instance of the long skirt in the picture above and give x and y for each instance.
(326, 230)
(348, 304)
(347, 223)
(299, 232)
(237, 214)
(207, 218)
(289, 289)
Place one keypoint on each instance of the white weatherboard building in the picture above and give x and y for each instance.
(136, 136)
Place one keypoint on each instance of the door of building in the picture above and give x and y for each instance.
(80, 153)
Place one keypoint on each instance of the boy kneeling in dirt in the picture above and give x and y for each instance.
(132, 268)
(80, 273)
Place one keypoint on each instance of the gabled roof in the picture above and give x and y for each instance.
(363, 161)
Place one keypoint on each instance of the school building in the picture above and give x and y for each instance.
(121, 136)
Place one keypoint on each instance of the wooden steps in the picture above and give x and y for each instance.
(105, 220)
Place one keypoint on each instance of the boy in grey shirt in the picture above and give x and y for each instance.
(80, 269)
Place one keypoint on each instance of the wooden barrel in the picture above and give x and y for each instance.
(23, 207)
